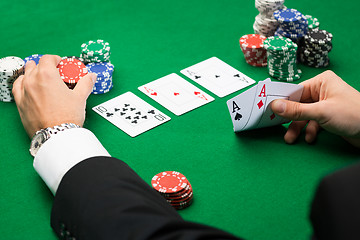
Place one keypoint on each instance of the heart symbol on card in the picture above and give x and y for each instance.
(176, 94)
(154, 93)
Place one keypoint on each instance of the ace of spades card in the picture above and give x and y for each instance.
(131, 114)
(251, 109)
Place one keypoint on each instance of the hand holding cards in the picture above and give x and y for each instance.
(251, 109)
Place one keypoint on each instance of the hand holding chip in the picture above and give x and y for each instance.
(43, 100)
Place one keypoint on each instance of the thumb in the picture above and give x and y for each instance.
(85, 84)
(296, 111)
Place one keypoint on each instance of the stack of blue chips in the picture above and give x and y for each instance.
(34, 57)
(104, 71)
(292, 24)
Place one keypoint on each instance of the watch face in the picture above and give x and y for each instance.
(36, 142)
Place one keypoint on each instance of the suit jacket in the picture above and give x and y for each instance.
(103, 198)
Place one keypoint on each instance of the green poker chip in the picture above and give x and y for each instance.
(278, 43)
(313, 22)
(95, 51)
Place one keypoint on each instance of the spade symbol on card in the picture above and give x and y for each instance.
(109, 114)
(122, 113)
(124, 109)
(151, 112)
(138, 113)
(128, 118)
(135, 121)
(238, 116)
(197, 77)
(116, 109)
(217, 76)
(126, 105)
(132, 109)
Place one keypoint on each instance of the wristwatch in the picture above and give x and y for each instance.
(41, 136)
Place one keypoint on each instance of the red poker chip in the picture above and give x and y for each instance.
(252, 41)
(169, 182)
(71, 70)
(179, 196)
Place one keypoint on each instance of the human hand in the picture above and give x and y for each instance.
(328, 102)
(43, 100)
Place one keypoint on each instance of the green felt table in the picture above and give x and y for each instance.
(251, 184)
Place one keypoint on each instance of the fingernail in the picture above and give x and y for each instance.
(279, 106)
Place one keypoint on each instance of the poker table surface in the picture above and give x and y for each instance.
(251, 184)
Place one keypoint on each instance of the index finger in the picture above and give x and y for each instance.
(312, 87)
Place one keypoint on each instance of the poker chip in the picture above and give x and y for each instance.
(10, 69)
(282, 58)
(34, 57)
(292, 24)
(315, 47)
(265, 24)
(95, 51)
(252, 45)
(174, 187)
(104, 73)
(71, 71)
(313, 22)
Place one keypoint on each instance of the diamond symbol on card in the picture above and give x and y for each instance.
(272, 116)
(260, 104)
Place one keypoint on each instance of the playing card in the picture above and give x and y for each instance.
(240, 108)
(217, 76)
(131, 114)
(176, 94)
(260, 97)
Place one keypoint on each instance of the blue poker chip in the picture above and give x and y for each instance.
(288, 15)
(34, 57)
(103, 69)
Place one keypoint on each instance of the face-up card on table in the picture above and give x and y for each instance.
(131, 114)
(176, 94)
(217, 76)
(258, 99)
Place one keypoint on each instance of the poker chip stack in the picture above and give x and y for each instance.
(292, 24)
(71, 71)
(313, 22)
(252, 45)
(10, 69)
(174, 187)
(104, 73)
(315, 47)
(96, 56)
(281, 58)
(265, 24)
(95, 51)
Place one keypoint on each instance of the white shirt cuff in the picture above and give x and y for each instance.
(63, 151)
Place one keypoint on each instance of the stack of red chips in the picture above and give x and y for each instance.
(174, 187)
(253, 49)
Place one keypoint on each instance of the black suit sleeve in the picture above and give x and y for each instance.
(335, 212)
(103, 198)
